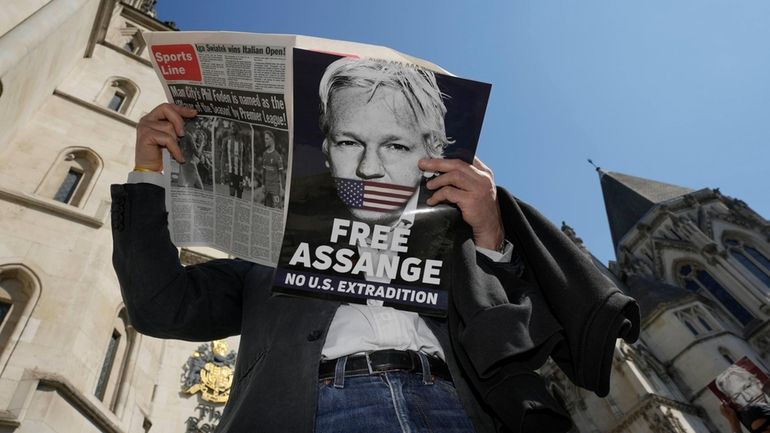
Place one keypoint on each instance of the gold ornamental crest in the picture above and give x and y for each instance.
(209, 370)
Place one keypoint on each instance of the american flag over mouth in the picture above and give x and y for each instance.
(375, 196)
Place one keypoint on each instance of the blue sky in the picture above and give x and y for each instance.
(677, 91)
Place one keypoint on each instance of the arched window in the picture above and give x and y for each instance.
(117, 352)
(751, 258)
(118, 94)
(19, 291)
(71, 178)
(696, 320)
(131, 39)
(726, 355)
(696, 279)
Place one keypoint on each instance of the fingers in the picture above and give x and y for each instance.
(172, 113)
(472, 188)
(163, 139)
(448, 194)
(469, 180)
(481, 166)
(160, 128)
(442, 165)
(458, 173)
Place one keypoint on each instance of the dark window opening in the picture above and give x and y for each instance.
(109, 360)
(690, 327)
(696, 279)
(751, 258)
(68, 186)
(117, 101)
(704, 323)
(758, 256)
(5, 307)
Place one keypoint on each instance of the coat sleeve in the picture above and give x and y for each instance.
(501, 332)
(505, 323)
(163, 298)
(592, 312)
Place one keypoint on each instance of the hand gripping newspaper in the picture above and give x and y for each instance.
(744, 391)
(303, 157)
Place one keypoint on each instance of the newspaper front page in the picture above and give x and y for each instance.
(230, 193)
(335, 201)
(359, 229)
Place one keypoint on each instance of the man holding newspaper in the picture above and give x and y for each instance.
(309, 364)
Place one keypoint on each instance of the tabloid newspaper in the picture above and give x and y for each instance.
(744, 387)
(304, 156)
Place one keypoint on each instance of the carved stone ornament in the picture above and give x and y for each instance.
(663, 423)
(762, 342)
(209, 371)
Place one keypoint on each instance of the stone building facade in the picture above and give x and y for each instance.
(75, 77)
(698, 262)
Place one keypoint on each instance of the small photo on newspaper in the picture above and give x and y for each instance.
(358, 228)
(745, 388)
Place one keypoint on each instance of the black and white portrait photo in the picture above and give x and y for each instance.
(357, 211)
(742, 384)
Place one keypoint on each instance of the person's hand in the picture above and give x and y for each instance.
(160, 128)
(472, 189)
(731, 416)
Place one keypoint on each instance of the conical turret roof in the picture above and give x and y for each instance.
(628, 198)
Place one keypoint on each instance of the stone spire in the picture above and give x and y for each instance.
(628, 198)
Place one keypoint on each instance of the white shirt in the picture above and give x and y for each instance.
(358, 328)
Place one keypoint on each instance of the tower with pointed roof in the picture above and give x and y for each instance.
(698, 263)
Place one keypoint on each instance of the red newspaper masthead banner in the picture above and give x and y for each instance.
(177, 62)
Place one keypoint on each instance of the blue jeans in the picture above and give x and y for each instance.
(393, 402)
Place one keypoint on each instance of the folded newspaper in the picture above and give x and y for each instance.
(304, 156)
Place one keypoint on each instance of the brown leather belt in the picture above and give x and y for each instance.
(383, 361)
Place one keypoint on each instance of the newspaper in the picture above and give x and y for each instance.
(335, 201)
(359, 229)
(744, 387)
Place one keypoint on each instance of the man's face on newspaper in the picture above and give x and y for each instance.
(269, 142)
(374, 138)
(741, 386)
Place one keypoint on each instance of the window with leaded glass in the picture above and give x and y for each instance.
(68, 186)
(71, 178)
(117, 101)
(119, 93)
(698, 280)
(5, 307)
(751, 258)
(109, 361)
(112, 375)
(691, 328)
(695, 319)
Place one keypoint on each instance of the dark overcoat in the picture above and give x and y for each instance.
(501, 325)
